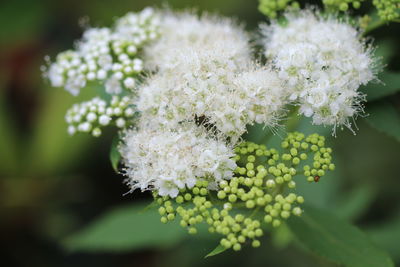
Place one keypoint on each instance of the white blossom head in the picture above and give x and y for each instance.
(187, 41)
(323, 61)
(107, 55)
(265, 95)
(166, 161)
(224, 100)
(202, 72)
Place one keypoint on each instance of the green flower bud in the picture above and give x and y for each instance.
(250, 173)
(221, 194)
(164, 219)
(161, 210)
(297, 211)
(203, 191)
(237, 247)
(251, 158)
(192, 231)
(250, 166)
(292, 184)
(276, 223)
(285, 214)
(250, 204)
(270, 183)
(248, 182)
(267, 218)
(232, 198)
(258, 232)
(255, 244)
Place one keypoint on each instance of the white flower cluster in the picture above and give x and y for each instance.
(324, 61)
(91, 116)
(106, 54)
(204, 87)
(204, 78)
(205, 70)
(171, 160)
(189, 42)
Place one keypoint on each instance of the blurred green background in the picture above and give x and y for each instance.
(53, 185)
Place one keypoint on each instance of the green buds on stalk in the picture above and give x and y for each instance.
(387, 9)
(258, 194)
(342, 5)
(270, 8)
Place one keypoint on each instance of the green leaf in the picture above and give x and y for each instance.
(281, 237)
(384, 117)
(150, 206)
(125, 229)
(385, 50)
(388, 85)
(50, 148)
(219, 249)
(115, 156)
(387, 235)
(355, 203)
(336, 240)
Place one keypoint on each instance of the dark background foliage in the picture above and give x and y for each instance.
(52, 185)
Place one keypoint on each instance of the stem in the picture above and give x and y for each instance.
(279, 190)
(254, 212)
(294, 119)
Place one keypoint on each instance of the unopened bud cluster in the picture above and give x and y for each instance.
(196, 206)
(256, 195)
(108, 55)
(387, 9)
(91, 116)
(342, 5)
(270, 8)
(297, 148)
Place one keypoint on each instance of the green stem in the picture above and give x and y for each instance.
(294, 119)
(254, 212)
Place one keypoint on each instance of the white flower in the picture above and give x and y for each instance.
(71, 130)
(205, 73)
(324, 61)
(113, 86)
(188, 43)
(104, 120)
(225, 100)
(96, 132)
(129, 83)
(106, 54)
(265, 95)
(167, 187)
(120, 123)
(169, 160)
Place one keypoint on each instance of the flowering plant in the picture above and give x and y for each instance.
(186, 91)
